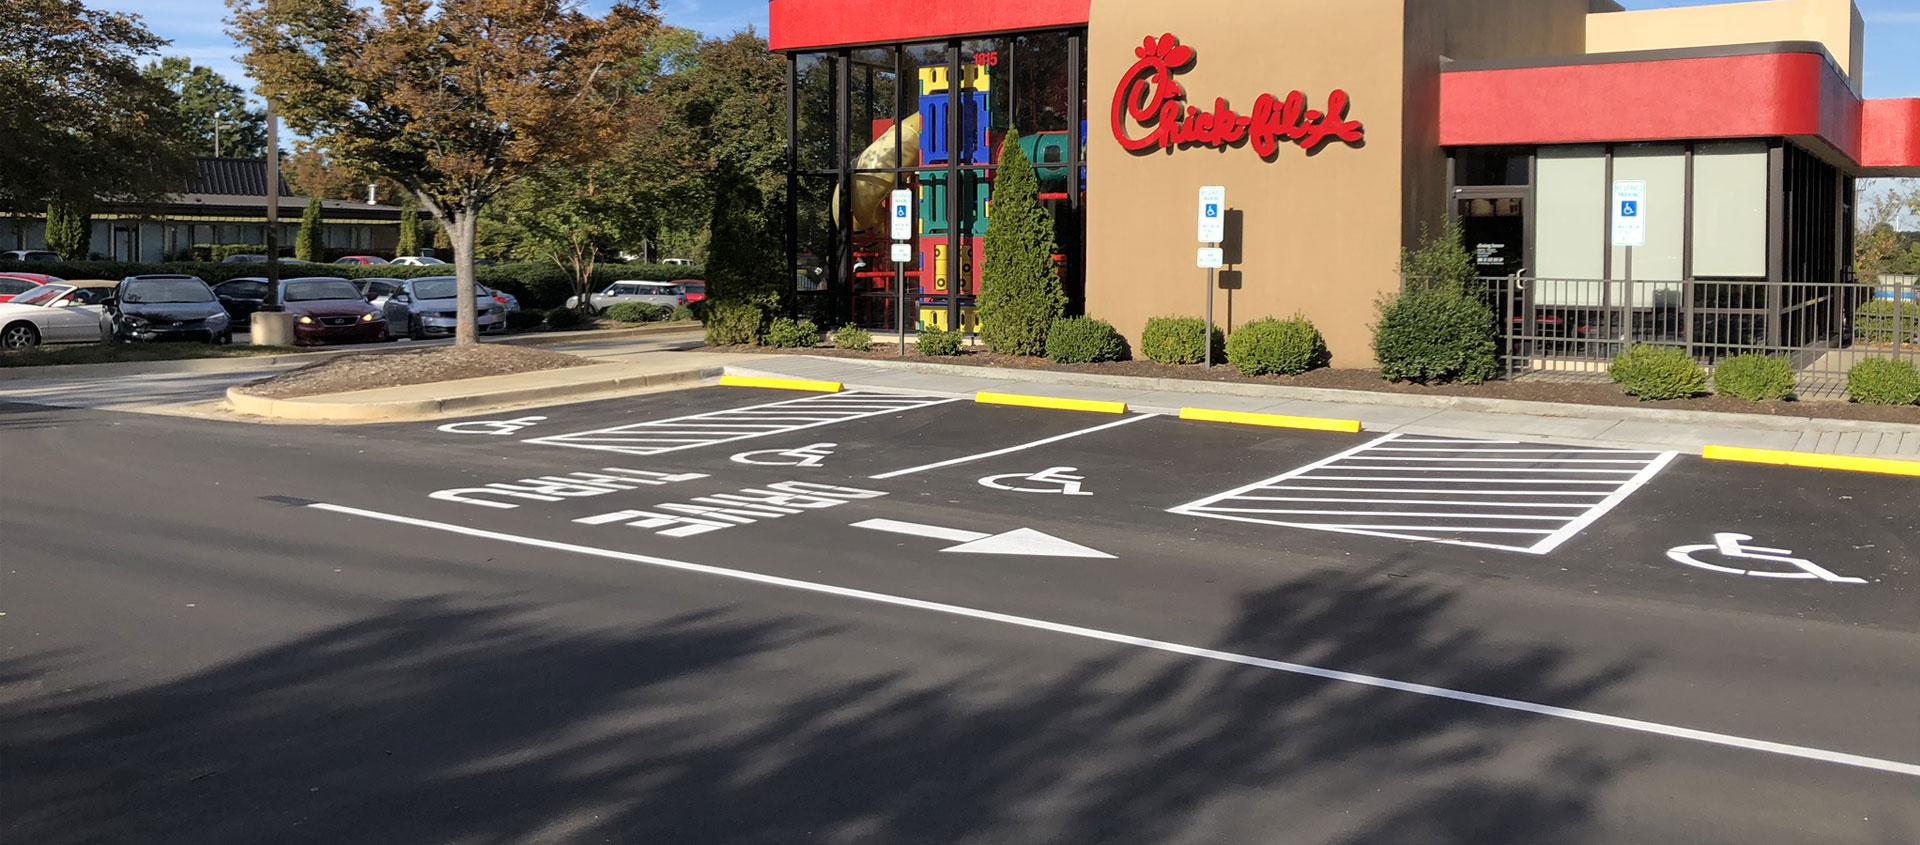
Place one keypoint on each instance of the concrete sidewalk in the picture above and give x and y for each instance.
(1545, 422)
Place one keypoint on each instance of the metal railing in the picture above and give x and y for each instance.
(1573, 328)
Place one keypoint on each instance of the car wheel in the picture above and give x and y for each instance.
(21, 335)
(415, 330)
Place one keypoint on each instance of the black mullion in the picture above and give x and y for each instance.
(954, 238)
(793, 180)
(1074, 58)
(843, 154)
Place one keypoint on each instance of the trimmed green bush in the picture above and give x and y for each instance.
(682, 314)
(1880, 381)
(310, 243)
(936, 343)
(1284, 347)
(730, 323)
(1084, 340)
(1435, 335)
(1887, 320)
(1755, 378)
(520, 321)
(786, 333)
(1020, 291)
(636, 312)
(564, 318)
(1180, 340)
(853, 337)
(1656, 372)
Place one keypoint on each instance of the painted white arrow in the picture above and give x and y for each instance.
(1020, 541)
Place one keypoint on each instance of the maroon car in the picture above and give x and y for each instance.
(330, 310)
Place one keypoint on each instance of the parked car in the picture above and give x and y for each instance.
(664, 294)
(244, 259)
(165, 307)
(14, 284)
(328, 308)
(416, 261)
(29, 255)
(48, 314)
(429, 307)
(362, 260)
(678, 262)
(241, 297)
(512, 302)
(693, 289)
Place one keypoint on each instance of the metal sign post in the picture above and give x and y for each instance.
(1213, 230)
(900, 214)
(1629, 231)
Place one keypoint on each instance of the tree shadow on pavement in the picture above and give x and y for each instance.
(437, 723)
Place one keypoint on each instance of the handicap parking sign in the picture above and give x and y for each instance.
(1629, 208)
(1213, 210)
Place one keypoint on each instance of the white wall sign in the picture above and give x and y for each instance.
(1213, 214)
(1212, 258)
(1734, 546)
(1630, 212)
(903, 253)
(1052, 480)
(900, 212)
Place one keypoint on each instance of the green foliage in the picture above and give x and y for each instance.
(69, 230)
(1284, 347)
(522, 320)
(310, 243)
(1440, 262)
(636, 312)
(1435, 335)
(1020, 292)
(1180, 340)
(1755, 378)
(1887, 320)
(682, 314)
(1084, 340)
(203, 99)
(853, 337)
(563, 318)
(734, 323)
(409, 243)
(935, 343)
(791, 334)
(1880, 381)
(1656, 372)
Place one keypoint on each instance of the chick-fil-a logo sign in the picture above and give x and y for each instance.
(1148, 99)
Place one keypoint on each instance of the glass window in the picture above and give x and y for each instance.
(1730, 210)
(1570, 219)
(1489, 166)
(152, 291)
(318, 290)
(1664, 169)
(814, 91)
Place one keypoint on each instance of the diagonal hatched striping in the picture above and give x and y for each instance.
(691, 432)
(1494, 494)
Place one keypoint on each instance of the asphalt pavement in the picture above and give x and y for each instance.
(730, 615)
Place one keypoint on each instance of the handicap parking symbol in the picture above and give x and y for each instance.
(1213, 210)
(1734, 547)
(1629, 208)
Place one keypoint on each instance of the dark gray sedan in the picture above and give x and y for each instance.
(429, 307)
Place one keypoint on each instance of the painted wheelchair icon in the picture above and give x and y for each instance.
(1734, 546)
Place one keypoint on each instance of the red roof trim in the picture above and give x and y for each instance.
(815, 24)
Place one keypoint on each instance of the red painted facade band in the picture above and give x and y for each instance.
(1890, 134)
(1150, 100)
(813, 24)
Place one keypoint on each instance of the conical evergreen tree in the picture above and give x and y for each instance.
(409, 243)
(1020, 293)
(69, 231)
(310, 244)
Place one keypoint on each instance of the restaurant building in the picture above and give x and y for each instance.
(1340, 129)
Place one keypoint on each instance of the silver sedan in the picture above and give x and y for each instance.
(429, 307)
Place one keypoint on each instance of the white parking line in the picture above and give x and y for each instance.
(1641, 726)
(1011, 449)
(691, 432)
(1450, 475)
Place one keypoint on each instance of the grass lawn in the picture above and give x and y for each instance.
(96, 353)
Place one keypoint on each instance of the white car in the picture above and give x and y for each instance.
(663, 294)
(416, 261)
(49, 314)
(29, 255)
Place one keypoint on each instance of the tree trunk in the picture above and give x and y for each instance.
(461, 234)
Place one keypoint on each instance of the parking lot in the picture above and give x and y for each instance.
(1388, 625)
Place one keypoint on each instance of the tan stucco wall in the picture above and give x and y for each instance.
(1834, 23)
(1321, 233)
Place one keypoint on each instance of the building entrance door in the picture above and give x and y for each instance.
(1494, 229)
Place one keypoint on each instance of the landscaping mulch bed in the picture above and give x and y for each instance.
(393, 369)
(1567, 392)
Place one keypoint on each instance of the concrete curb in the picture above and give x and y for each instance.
(323, 409)
(1361, 397)
(561, 338)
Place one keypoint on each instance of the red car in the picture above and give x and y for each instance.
(694, 289)
(14, 284)
(362, 260)
(330, 310)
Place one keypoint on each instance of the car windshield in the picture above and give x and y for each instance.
(435, 289)
(330, 289)
(158, 291)
(41, 295)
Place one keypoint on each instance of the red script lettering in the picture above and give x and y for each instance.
(1150, 99)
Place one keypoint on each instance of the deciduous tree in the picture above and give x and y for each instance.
(453, 100)
(213, 110)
